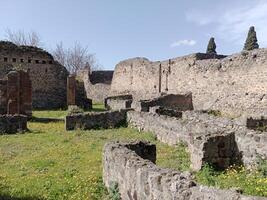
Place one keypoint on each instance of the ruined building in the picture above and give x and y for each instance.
(97, 84)
(16, 94)
(234, 84)
(76, 94)
(49, 78)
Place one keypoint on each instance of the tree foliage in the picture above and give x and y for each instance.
(251, 41)
(211, 46)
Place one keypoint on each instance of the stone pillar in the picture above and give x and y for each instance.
(71, 90)
(13, 85)
(25, 94)
(3, 97)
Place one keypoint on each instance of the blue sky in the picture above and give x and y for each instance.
(119, 29)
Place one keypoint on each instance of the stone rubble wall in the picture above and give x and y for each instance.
(215, 140)
(11, 124)
(76, 94)
(94, 120)
(118, 102)
(16, 94)
(132, 167)
(180, 102)
(97, 84)
(235, 85)
(49, 78)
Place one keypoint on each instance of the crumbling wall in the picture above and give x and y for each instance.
(16, 94)
(76, 94)
(234, 85)
(94, 120)
(210, 139)
(131, 166)
(119, 102)
(97, 84)
(181, 102)
(48, 77)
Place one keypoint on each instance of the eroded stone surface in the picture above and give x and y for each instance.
(131, 165)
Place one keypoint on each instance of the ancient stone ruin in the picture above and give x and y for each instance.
(235, 85)
(48, 77)
(132, 167)
(97, 84)
(76, 94)
(15, 101)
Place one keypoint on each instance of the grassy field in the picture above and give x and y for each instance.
(49, 163)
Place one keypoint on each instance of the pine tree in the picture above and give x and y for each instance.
(211, 46)
(251, 41)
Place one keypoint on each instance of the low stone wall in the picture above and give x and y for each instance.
(118, 102)
(94, 120)
(210, 139)
(131, 166)
(10, 124)
(181, 102)
(165, 111)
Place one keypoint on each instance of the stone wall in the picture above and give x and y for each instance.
(234, 85)
(180, 102)
(76, 94)
(210, 139)
(95, 120)
(97, 84)
(49, 78)
(10, 124)
(119, 102)
(131, 166)
(16, 94)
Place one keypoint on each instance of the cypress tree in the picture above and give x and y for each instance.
(211, 46)
(251, 41)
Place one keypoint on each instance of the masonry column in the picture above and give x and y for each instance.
(13, 93)
(71, 90)
(25, 94)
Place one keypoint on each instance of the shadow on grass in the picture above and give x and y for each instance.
(45, 120)
(8, 197)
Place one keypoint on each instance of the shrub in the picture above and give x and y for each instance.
(211, 46)
(251, 41)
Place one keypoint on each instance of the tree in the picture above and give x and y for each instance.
(251, 41)
(211, 46)
(19, 37)
(75, 58)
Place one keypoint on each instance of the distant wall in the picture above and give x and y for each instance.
(234, 85)
(97, 84)
(49, 78)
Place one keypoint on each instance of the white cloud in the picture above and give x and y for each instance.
(233, 24)
(183, 42)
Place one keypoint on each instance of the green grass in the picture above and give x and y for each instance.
(50, 163)
(249, 182)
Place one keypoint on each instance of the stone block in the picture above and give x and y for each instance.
(11, 124)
